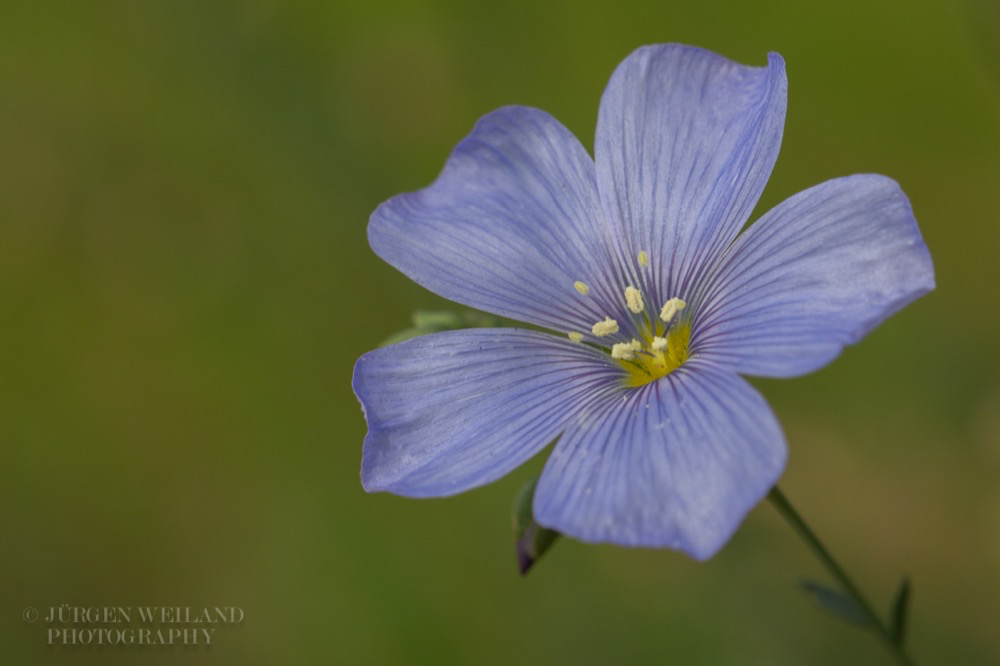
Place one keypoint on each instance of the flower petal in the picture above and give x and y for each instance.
(509, 226)
(815, 273)
(686, 140)
(676, 463)
(450, 411)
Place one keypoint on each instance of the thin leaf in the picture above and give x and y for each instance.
(434, 321)
(439, 320)
(836, 602)
(899, 611)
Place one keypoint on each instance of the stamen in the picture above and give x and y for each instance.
(659, 344)
(625, 351)
(606, 327)
(670, 308)
(622, 351)
(643, 258)
(575, 337)
(581, 287)
(633, 299)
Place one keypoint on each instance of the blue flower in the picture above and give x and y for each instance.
(653, 301)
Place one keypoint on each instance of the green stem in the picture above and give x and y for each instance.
(789, 513)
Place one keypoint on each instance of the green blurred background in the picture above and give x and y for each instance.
(185, 285)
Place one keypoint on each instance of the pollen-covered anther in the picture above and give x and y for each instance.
(625, 351)
(658, 344)
(574, 336)
(581, 287)
(607, 327)
(622, 351)
(633, 298)
(670, 308)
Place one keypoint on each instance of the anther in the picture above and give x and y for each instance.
(643, 258)
(622, 351)
(575, 337)
(581, 287)
(633, 299)
(606, 327)
(659, 344)
(670, 308)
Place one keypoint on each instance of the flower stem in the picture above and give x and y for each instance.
(875, 622)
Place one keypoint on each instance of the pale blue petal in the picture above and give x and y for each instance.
(686, 140)
(677, 463)
(451, 411)
(814, 274)
(509, 226)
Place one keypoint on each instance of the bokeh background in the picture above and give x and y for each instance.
(185, 285)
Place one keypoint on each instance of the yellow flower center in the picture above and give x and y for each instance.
(658, 356)
(664, 344)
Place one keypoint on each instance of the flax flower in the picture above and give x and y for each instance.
(651, 301)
